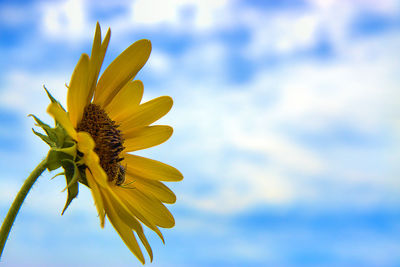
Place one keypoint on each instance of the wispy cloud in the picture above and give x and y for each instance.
(65, 20)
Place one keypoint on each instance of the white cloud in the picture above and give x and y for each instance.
(65, 20)
(284, 32)
(23, 91)
(244, 185)
(155, 11)
(281, 32)
(384, 6)
(186, 16)
(179, 14)
(159, 63)
(262, 117)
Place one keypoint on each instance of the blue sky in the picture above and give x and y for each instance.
(286, 128)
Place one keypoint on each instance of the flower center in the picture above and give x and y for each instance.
(108, 139)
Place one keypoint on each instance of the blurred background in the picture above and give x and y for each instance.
(286, 122)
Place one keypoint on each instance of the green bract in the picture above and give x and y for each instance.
(63, 153)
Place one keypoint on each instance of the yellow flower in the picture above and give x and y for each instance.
(107, 121)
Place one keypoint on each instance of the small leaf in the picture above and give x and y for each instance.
(72, 193)
(70, 150)
(58, 174)
(38, 121)
(82, 172)
(45, 138)
(68, 142)
(71, 144)
(61, 135)
(70, 168)
(53, 160)
(49, 131)
(72, 177)
(52, 99)
(55, 156)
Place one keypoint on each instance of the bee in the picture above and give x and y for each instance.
(120, 179)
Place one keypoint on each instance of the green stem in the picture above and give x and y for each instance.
(16, 205)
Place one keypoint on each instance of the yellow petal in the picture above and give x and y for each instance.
(94, 62)
(154, 188)
(105, 42)
(86, 146)
(126, 216)
(126, 102)
(146, 244)
(130, 205)
(98, 201)
(96, 58)
(149, 207)
(85, 142)
(123, 230)
(145, 137)
(78, 90)
(159, 233)
(123, 69)
(56, 111)
(123, 212)
(147, 113)
(92, 161)
(150, 169)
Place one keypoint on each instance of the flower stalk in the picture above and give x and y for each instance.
(16, 205)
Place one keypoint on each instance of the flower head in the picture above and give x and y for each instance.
(92, 141)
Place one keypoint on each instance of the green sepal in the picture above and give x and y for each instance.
(68, 143)
(70, 150)
(57, 134)
(72, 176)
(60, 134)
(58, 174)
(45, 138)
(56, 155)
(53, 160)
(51, 132)
(39, 122)
(52, 99)
(76, 174)
(82, 171)
(63, 153)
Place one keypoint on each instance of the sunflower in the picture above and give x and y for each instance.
(106, 120)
